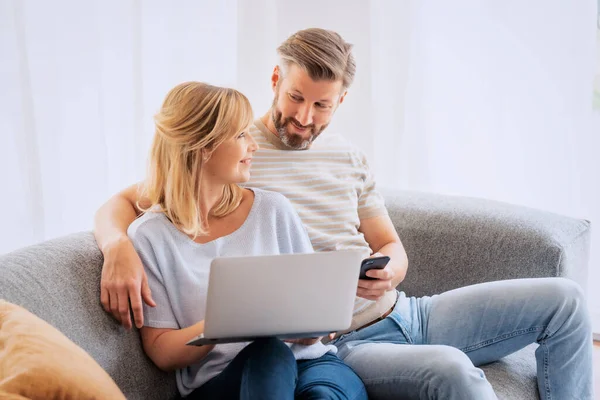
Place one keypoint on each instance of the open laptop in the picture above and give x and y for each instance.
(285, 296)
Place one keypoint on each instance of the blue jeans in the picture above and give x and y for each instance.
(266, 369)
(429, 347)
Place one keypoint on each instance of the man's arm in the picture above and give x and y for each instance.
(123, 277)
(383, 239)
(114, 217)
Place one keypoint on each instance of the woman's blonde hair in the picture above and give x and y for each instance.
(194, 119)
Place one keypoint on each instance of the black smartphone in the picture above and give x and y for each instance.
(372, 263)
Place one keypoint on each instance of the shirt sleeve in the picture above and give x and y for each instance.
(161, 316)
(370, 200)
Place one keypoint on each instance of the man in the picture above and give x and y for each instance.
(401, 347)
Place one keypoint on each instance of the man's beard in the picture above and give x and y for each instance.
(293, 140)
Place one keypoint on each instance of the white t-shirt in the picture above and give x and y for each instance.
(178, 269)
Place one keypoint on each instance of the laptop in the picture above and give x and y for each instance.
(285, 296)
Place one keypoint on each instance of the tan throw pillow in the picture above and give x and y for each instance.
(39, 362)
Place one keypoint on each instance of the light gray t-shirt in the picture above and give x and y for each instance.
(178, 268)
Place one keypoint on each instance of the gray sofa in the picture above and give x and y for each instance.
(450, 241)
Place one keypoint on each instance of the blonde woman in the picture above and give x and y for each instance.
(195, 211)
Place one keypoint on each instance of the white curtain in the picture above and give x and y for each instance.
(471, 97)
(491, 99)
(80, 82)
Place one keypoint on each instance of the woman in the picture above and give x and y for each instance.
(196, 212)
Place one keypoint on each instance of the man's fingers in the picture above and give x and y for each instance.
(136, 306)
(114, 305)
(370, 294)
(374, 285)
(384, 274)
(123, 309)
(104, 299)
(146, 292)
(124, 280)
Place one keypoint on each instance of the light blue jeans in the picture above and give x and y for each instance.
(429, 347)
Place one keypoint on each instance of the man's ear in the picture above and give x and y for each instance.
(275, 77)
(342, 97)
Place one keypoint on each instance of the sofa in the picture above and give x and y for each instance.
(451, 242)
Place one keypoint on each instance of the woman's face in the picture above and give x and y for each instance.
(230, 161)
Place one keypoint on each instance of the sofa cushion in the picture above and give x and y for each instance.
(39, 362)
(513, 377)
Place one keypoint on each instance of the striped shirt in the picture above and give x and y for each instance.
(330, 186)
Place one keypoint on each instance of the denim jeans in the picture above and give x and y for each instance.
(429, 347)
(266, 369)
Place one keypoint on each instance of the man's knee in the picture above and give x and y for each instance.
(573, 301)
(450, 371)
(568, 290)
(448, 362)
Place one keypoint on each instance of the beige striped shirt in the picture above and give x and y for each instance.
(331, 188)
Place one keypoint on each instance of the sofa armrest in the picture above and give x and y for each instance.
(456, 241)
(59, 281)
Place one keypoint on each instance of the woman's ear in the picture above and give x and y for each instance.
(205, 155)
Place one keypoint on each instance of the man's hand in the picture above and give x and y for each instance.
(124, 281)
(374, 289)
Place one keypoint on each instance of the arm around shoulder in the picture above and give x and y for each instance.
(114, 217)
(123, 277)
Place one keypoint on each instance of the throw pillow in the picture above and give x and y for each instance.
(38, 362)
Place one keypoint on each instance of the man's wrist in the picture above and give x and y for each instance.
(114, 243)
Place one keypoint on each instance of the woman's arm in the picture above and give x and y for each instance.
(167, 347)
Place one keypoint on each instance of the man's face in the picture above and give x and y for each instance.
(302, 108)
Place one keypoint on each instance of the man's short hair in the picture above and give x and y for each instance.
(323, 54)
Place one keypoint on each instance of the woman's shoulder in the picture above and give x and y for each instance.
(273, 206)
(148, 225)
(269, 199)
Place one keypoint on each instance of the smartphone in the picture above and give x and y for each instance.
(372, 263)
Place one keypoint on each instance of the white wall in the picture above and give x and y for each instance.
(79, 84)
(496, 103)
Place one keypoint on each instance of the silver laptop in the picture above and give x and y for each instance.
(285, 296)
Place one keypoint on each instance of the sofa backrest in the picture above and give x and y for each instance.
(59, 281)
(455, 241)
